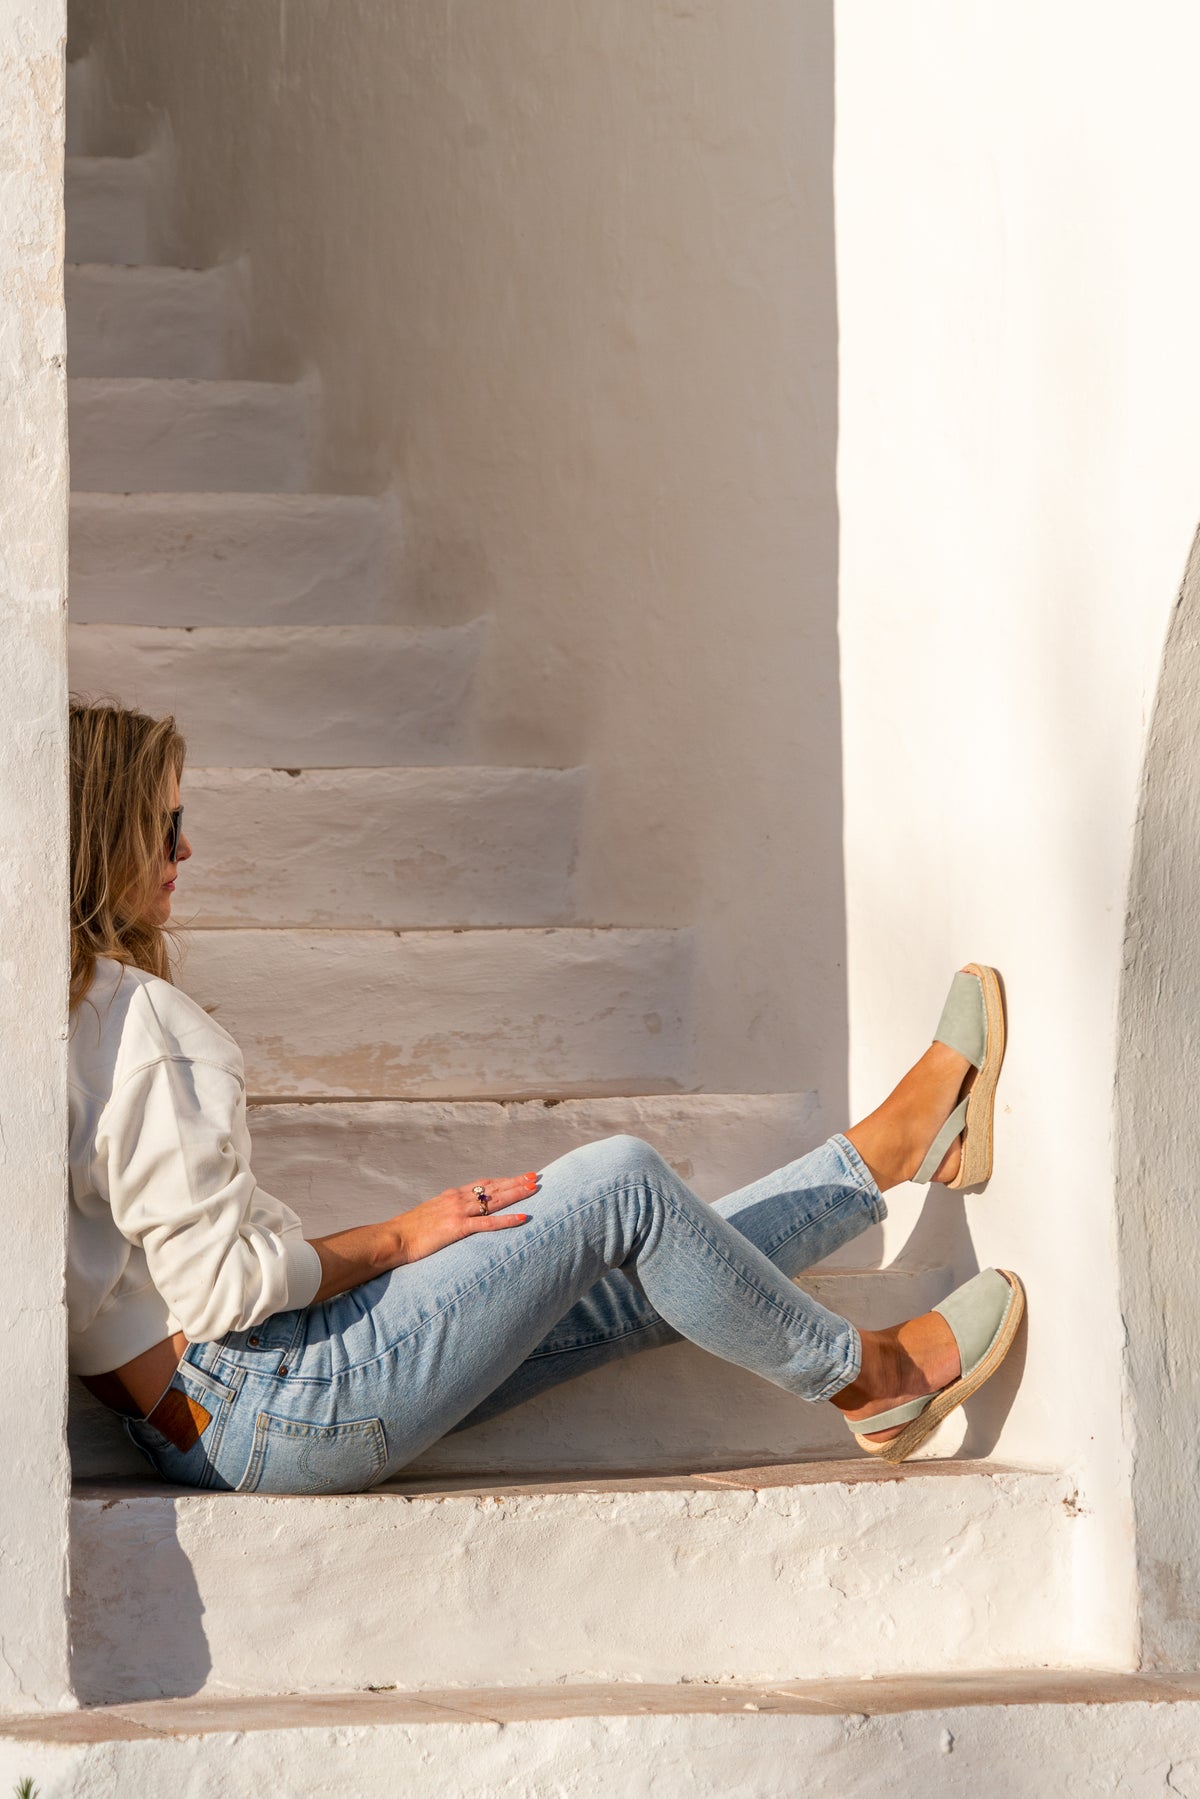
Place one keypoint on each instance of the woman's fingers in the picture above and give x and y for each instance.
(498, 1221)
(507, 1190)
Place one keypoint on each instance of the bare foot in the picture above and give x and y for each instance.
(906, 1361)
(894, 1140)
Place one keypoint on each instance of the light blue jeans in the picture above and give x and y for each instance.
(619, 1255)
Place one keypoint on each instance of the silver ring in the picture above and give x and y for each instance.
(481, 1195)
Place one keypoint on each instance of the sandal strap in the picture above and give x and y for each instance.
(963, 1024)
(899, 1414)
(976, 1313)
(945, 1137)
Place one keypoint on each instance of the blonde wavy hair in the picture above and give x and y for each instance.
(121, 767)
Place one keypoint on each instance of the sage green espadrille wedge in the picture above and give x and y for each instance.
(972, 1023)
(984, 1315)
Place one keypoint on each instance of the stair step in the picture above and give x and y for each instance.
(292, 696)
(140, 434)
(234, 559)
(380, 847)
(778, 1573)
(434, 1014)
(357, 1161)
(1006, 1732)
(108, 208)
(150, 321)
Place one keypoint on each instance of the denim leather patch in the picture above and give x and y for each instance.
(181, 1419)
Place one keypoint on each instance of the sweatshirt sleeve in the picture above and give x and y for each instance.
(223, 1253)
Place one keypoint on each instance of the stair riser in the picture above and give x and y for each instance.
(146, 436)
(108, 207)
(316, 698)
(426, 1015)
(149, 321)
(182, 559)
(575, 1744)
(83, 127)
(380, 848)
(793, 1582)
(676, 1409)
(355, 1163)
(254, 560)
(673, 1410)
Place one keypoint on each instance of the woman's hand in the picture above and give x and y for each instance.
(456, 1213)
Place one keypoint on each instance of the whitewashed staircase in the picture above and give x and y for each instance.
(390, 932)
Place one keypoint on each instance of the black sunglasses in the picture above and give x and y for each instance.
(174, 834)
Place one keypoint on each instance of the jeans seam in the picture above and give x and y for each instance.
(820, 1218)
(749, 1279)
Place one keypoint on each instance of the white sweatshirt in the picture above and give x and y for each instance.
(168, 1228)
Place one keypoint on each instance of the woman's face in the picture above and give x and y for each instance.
(158, 908)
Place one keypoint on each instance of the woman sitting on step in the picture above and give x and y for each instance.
(242, 1356)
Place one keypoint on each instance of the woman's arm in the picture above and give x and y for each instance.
(350, 1257)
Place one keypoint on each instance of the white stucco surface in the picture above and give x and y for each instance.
(566, 274)
(732, 1744)
(33, 865)
(748, 1575)
(1159, 1155)
(499, 1013)
(1019, 477)
(234, 559)
(327, 696)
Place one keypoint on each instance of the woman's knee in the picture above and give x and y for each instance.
(616, 1157)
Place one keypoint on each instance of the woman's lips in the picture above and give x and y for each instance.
(170, 886)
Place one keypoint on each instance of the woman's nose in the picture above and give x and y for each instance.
(184, 850)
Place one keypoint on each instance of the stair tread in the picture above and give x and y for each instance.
(266, 634)
(881, 1696)
(772, 1475)
(205, 383)
(83, 159)
(232, 499)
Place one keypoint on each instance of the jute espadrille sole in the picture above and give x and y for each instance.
(899, 1448)
(976, 1163)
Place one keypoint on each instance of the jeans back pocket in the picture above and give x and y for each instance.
(293, 1456)
(192, 1413)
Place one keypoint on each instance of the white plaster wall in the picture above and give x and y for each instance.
(1019, 479)
(589, 1744)
(1159, 1154)
(33, 857)
(566, 273)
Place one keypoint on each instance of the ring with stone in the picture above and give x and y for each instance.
(481, 1195)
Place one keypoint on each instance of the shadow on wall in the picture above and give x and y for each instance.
(150, 1599)
(1158, 1153)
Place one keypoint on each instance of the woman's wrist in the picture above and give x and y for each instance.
(348, 1258)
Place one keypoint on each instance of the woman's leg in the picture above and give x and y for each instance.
(797, 1215)
(424, 1345)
